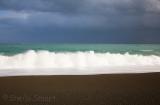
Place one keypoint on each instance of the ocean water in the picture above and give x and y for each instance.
(78, 59)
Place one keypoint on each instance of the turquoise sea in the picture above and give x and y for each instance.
(144, 49)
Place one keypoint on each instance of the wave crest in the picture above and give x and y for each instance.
(50, 60)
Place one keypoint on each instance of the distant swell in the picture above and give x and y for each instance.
(51, 60)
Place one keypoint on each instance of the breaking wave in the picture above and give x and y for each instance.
(75, 60)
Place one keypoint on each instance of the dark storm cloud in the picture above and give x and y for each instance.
(41, 5)
(84, 6)
(80, 20)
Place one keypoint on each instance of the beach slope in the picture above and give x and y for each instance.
(110, 89)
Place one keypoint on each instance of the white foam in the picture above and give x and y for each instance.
(146, 50)
(45, 62)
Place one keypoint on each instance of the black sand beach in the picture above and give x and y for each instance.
(111, 89)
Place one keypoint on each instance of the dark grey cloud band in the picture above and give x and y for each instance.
(80, 21)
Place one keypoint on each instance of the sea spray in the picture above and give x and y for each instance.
(75, 60)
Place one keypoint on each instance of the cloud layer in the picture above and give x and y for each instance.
(80, 21)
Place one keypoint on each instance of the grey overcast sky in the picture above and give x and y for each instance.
(80, 21)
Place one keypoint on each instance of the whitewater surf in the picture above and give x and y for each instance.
(76, 63)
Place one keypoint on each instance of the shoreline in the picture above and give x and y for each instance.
(67, 75)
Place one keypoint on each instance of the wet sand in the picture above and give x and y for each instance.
(110, 89)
